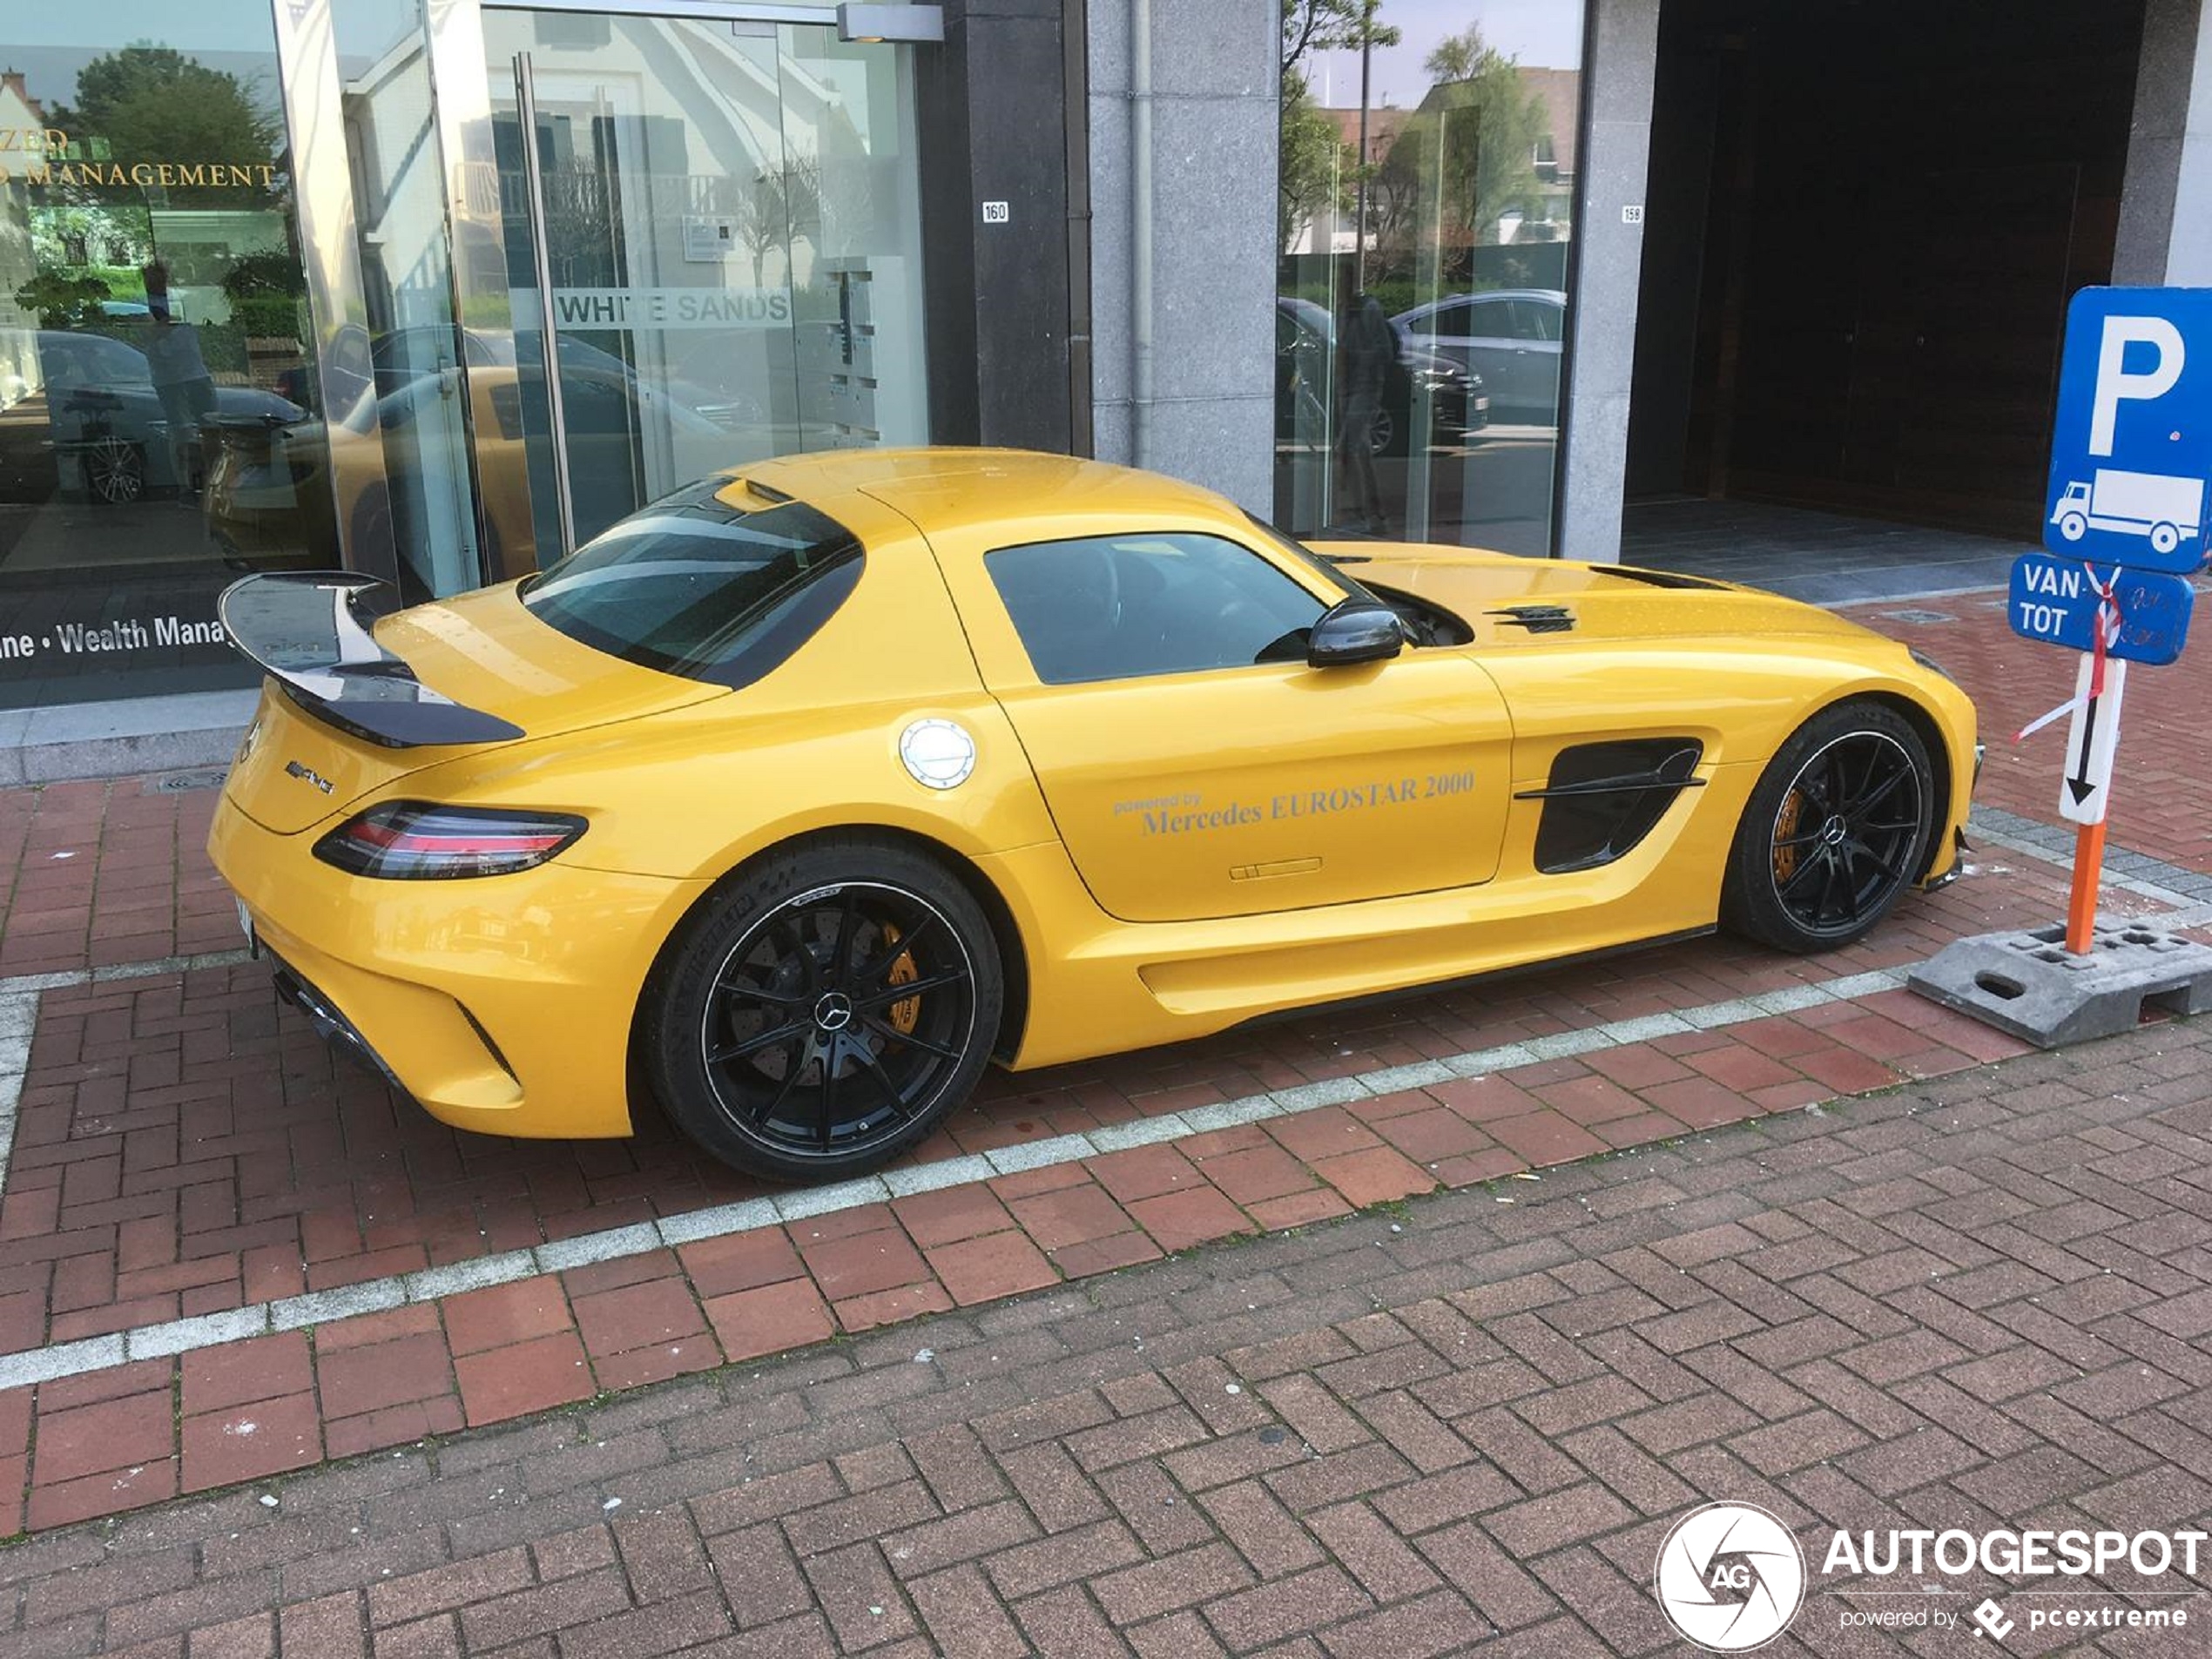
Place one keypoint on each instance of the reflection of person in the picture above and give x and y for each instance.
(1367, 347)
(180, 379)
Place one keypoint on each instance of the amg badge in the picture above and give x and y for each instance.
(307, 774)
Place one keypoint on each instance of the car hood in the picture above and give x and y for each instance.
(483, 652)
(1504, 599)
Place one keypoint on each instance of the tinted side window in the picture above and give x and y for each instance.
(694, 587)
(1492, 320)
(1126, 607)
(1534, 320)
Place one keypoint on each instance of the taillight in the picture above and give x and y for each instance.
(413, 841)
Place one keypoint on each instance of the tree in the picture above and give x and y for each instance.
(1316, 168)
(1317, 171)
(153, 104)
(1465, 158)
(1330, 25)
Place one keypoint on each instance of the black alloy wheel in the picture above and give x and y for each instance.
(1383, 436)
(1834, 831)
(817, 1027)
(114, 470)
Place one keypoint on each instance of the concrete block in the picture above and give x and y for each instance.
(2030, 985)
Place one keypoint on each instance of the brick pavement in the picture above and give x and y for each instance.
(1984, 1300)
(186, 1150)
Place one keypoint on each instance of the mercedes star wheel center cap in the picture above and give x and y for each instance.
(833, 1012)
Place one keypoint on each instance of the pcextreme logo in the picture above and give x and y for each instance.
(1731, 1577)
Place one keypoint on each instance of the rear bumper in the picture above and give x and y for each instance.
(502, 1005)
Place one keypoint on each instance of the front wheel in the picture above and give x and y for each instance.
(2072, 526)
(826, 1013)
(1836, 828)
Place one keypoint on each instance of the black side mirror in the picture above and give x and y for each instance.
(1358, 631)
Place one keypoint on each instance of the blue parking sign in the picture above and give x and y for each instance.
(2131, 447)
(2058, 601)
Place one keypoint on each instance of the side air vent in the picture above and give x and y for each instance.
(1604, 798)
(1537, 619)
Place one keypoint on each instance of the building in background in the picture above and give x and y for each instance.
(434, 289)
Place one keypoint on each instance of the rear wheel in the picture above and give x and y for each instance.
(1386, 436)
(826, 1012)
(115, 470)
(1836, 828)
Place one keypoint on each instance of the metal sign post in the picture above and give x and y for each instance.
(2124, 518)
(2131, 467)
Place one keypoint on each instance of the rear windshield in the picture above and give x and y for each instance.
(694, 587)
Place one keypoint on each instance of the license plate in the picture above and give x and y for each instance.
(246, 923)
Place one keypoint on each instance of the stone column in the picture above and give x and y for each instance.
(2165, 233)
(1214, 125)
(1609, 256)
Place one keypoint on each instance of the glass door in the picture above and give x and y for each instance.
(712, 242)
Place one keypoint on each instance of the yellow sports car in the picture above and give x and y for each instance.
(815, 787)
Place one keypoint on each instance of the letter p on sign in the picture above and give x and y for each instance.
(2114, 382)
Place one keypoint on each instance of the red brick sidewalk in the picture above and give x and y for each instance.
(1983, 1302)
(184, 1150)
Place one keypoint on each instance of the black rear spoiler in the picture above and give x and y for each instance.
(311, 629)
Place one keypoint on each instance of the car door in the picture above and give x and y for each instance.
(1538, 323)
(1195, 766)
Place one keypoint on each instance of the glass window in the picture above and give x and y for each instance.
(1456, 229)
(159, 430)
(1104, 608)
(695, 587)
(729, 217)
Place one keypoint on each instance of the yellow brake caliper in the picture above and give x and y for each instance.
(1786, 828)
(904, 1015)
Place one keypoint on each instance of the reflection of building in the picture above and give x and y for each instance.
(19, 113)
(1551, 166)
(496, 277)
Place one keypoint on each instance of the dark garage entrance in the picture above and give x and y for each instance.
(1867, 216)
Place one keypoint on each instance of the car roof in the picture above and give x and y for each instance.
(948, 487)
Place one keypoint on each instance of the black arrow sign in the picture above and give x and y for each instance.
(2079, 783)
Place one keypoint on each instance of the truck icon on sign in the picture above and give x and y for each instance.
(2149, 504)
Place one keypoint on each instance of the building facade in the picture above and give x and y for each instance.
(435, 289)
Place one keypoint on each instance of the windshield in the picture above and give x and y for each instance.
(692, 586)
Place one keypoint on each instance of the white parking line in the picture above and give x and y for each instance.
(372, 1296)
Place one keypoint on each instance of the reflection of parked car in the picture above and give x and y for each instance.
(1306, 339)
(94, 426)
(1510, 337)
(393, 360)
(271, 494)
